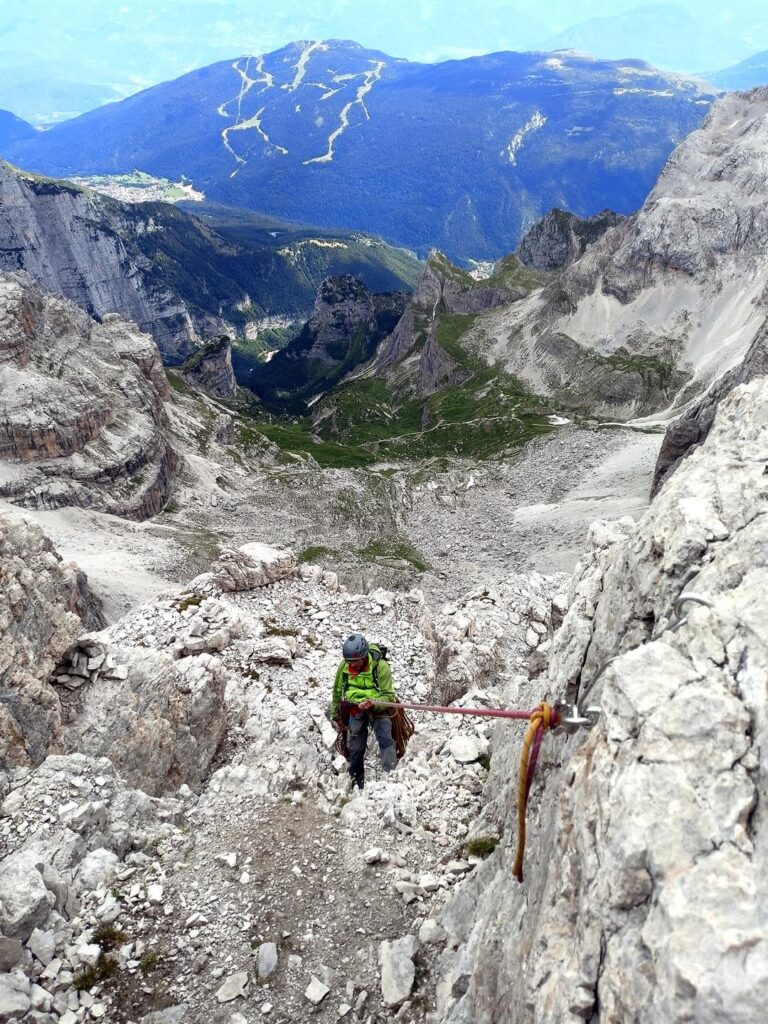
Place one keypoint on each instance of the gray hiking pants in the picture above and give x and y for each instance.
(357, 741)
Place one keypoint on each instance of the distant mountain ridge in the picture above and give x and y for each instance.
(462, 155)
(747, 74)
(13, 128)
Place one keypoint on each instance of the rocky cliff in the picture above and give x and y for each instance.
(669, 299)
(210, 369)
(692, 428)
(645, 871)
(444, 288)
(44, 606)
(83, 402)
(560, 238)
(645, 868)
(181, 278)
(82, 246)
(347, 324)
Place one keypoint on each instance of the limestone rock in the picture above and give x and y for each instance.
(267, 959)
(14, 1000)
(42, 945)
(233, 988)
(398, 971)
(81, 420)
(210, 369)
(245, 568)
(347, 318)
(560, 238)
(464, 749)
(161, 726)
(316, 991)
(97, 868)
(691, 430)
(44, 604)
(25, 900)
(173, 1015)
(613, 874)
(599, 332)
(10, 953)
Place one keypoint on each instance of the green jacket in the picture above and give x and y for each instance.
(362, 687)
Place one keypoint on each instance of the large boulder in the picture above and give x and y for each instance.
(160, 725)
(44, 604)
(245, 568)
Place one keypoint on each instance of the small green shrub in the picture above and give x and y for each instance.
(313, 552)
(150, 960)
(482, 846)
(104, 968)
(108, 936)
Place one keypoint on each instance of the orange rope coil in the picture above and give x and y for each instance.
(542, 718)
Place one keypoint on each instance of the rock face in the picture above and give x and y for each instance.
(645, 834)
(81, 419)
(76, 244)
(249, 566)
(444, 288)
(210, 369)
(160, 725)
(691, 430)
(672, 296)
(560, 238)
(347, 324)
(43, 607)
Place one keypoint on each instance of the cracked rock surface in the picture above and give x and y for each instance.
(645, 888)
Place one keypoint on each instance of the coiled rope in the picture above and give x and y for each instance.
(539, 720)
(542, 718)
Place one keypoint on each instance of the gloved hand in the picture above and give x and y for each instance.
(366, 705)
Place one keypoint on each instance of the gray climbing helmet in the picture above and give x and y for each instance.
(355, 646)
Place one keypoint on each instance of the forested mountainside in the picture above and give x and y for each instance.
(461, 155)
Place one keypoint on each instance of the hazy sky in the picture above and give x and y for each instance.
(50, 45)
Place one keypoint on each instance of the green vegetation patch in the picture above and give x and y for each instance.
(482, 846)
(105, 967)
(108, 936)
(207, 351)
(151, 959)
(510, 273)
(315, 552)
(367, 420)
(298, 437)
(397, 549)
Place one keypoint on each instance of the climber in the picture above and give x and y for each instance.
(363, 677)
